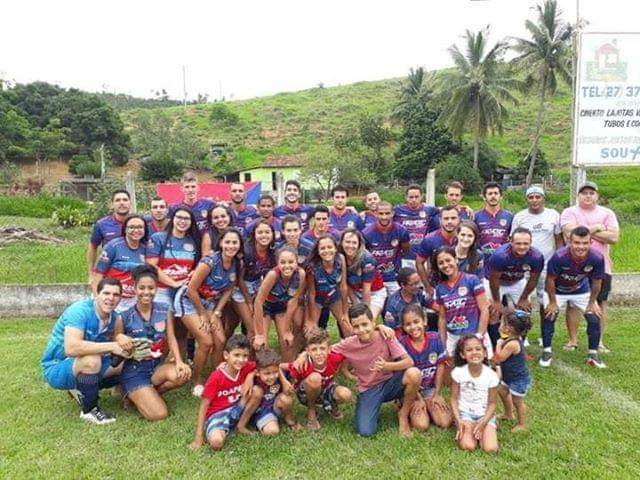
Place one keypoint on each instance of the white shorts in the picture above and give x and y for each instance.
(512, 292)
(579, 301)
(377, 298)
(453, 339)
(391, 287)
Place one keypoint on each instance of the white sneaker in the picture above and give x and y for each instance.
(526, 342)
(540, 341)
(97, 417)
(76, 396)
(197, 391)
(545, 359)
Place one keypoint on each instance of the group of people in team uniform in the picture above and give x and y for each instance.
(451, 287)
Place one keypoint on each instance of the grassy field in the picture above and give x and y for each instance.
(584, 423)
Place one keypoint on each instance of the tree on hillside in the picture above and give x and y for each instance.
(375, 137)
(423, 141)
(544, 57)
(475, 92)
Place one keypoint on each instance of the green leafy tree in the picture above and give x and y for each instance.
(475, 93)
(375, 137)
(544, 58)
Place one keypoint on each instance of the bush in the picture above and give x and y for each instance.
(39, 206)
(75, 162)
(68, 216)
(222, 114)
(460, 168)
(541, 168)
(8, 172)
(93, 169)
(160, 169)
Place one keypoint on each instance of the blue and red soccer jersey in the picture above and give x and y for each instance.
(283, 290)
(430, 244)
(304, 213)
(494, 230)
(392, 315)
(270, 393)
(256, 266)
(463, 213)
(464, 265)
(349, 219)
(427, 359)
(218, 279)
(118, 260)
(105, 230)
(418, 223)
(155, 329)
(275, 223)
(368, 218)
(200, 211)
(459, 301)
(513, 268)
(572, 276)
(176, 256)
(151, 226)
(309, 239)
(386, 248)
(224, 391)
(366, 272)
(327, 283)
(334, 360)
(241, 219)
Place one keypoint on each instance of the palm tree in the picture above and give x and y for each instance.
(545, 57)
(414, 91)
(474, 93)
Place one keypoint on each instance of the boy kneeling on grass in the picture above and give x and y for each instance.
(268, 395)
(383, 369)
(222, 405)
(313, 376)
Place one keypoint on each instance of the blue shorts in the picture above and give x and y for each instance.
(326, 398)
(137, 375)
(225, 420)
(252, 289)
(272, 309)
(183, 306)
(59, 373)
(471, 418)
(265, 415)
(518, 386)
(328, 300)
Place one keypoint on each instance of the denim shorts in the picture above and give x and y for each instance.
(183, 306)
(252, 288)
(518, 386)
(265, 415)
(225, 420)
(136, 375)
(326, 397)
(471, 418)
(59, 373)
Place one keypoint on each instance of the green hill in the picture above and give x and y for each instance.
(289, 123)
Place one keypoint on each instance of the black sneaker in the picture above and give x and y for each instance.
(97, 416)
(76, 396)
(545, 359)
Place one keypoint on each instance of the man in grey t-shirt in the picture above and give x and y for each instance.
(546, 234)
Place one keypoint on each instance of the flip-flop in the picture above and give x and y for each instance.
(570, 347)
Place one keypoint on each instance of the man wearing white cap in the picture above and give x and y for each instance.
(605, 231)
(544, 225)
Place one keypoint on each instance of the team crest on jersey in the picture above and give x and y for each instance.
(503, 222)
(526, 267)
(433, 357)
(303, 216)
(292, 291)
(462, 291)
(350, 224)
(394, 242)
(232, 277)
(275, 388)
(588, 268)
(141, 258)
(188, 247)
(160, 326)
(422, 214)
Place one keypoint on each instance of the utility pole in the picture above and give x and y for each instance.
(577, 174)
(184, 86)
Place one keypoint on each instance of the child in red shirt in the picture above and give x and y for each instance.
(314, 381)
(222, 404)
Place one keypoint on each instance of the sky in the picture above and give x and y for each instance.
(242, 49)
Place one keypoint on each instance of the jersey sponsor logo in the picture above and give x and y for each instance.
(455, 303)
(462, 291)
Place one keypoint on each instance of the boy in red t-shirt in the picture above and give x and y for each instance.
(222, 404)
(314, 381)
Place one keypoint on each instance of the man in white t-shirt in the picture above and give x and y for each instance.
(605, 231)
(546, 234)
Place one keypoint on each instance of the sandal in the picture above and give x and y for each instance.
(570, 347)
